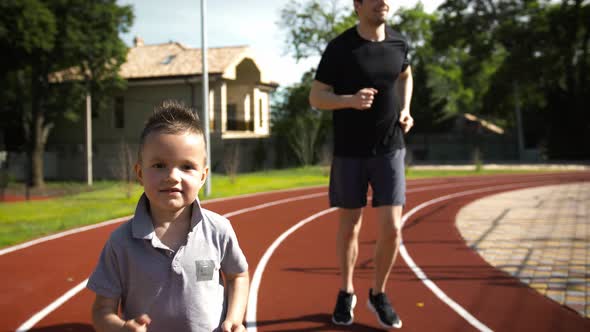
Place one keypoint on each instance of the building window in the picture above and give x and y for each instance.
(260, 112)
(119, 113)
(232, 117)
(248, 114)
(168, 59)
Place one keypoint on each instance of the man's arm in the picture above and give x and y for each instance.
(322, 96)
(238, 287)
(105, 318)
(403, 90)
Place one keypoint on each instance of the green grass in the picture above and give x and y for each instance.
(431, 173)
(268, 180)
(23, 221)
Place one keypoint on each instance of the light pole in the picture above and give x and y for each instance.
(205, 84)
(519, 130)
(88, 138)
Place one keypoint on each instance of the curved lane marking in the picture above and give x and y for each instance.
(62, 234)
(249, 318)
(257, 277)
(27, 325)
(230, 214)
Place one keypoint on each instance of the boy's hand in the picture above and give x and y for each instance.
(138, 324)
(229, 326)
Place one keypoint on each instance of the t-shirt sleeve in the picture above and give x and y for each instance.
(328, 66)
(406, 62)
(233, 260)
(105, 280)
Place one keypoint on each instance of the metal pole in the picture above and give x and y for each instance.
(519, 131)
(205, 102)
(88, 139)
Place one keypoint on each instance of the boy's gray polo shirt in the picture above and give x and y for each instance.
(180, 291)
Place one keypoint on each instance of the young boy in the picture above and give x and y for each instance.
(163, 267)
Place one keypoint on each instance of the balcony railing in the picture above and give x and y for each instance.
(240, 125)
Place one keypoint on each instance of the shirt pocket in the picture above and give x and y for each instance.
(205, 269)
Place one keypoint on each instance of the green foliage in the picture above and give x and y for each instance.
(312, 24)
(27, 27)
(299, 127)
(482, 57)
(527, 54)
(45, 37)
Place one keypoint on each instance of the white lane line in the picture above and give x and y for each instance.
(72, 292)
(277, 202)
(121, 219)
(215, 200)
(54, 305)
(69, 294)
(420, 273)
(60, 235)
(257, 277)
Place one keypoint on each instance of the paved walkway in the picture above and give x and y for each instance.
(539, 235)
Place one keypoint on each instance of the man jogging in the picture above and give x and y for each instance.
(365, 78)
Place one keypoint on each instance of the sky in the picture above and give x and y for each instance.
(230, 23)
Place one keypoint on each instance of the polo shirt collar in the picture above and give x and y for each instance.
(142, 226)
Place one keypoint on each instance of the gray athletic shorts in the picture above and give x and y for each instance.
(350, 177)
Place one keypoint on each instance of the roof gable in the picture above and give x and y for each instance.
(175, 59)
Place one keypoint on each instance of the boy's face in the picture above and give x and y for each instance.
(172, 170)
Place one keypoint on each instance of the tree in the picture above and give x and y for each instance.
(311, 25)
(76, 36)
(428, 108)
(531, 53)
(297, 125)
(27, 28)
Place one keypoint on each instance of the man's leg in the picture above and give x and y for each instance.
(347, 245)
(348, 191)
(388, 242)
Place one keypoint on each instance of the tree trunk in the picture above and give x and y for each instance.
(36, 133)
(36, 150)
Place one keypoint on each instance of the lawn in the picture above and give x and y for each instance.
(23, 221)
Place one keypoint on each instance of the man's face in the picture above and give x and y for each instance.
(372, 11)
(172, 170)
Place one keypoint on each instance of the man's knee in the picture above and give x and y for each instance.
(350, 222)
(391, 234)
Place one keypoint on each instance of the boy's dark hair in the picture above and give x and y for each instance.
(171, 117)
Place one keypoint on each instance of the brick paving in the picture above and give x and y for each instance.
(539, 235)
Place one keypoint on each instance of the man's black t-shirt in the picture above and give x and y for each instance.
(351, 63)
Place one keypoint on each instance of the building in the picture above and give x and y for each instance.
(239, 110)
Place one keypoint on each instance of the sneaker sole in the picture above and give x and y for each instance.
(372, 308)
(352, 305)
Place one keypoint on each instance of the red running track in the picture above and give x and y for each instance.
(298, 285)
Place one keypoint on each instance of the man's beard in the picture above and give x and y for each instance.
(377, 21)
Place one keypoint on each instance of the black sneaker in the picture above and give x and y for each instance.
(379, 304)
(343, 314)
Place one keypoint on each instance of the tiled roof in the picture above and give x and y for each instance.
(488, 125)
(174, 59)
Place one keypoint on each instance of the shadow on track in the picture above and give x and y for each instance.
(324, 319)
(73, 327)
